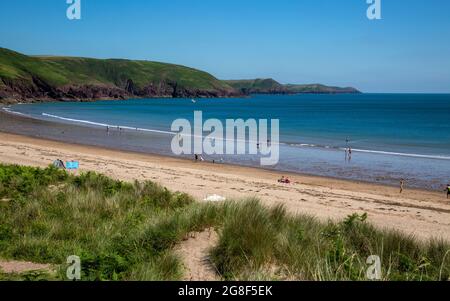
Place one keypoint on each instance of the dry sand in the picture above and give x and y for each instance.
(422, 213)
(19, 267)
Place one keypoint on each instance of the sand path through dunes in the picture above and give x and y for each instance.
(422, 213)
(18, 267)
(194, 253)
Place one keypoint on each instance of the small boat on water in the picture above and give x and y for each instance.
(193, 101)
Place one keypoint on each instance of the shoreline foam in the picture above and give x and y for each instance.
(155, 142)
(7, 109)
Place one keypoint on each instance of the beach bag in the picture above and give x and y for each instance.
(59, 164)
(72, 165)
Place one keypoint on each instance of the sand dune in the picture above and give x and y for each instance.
(422, 213)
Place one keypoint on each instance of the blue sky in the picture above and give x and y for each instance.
(293, 41)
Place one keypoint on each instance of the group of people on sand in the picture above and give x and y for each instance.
(108, 128)
(201, 159)
(284, 180)
(198, 157)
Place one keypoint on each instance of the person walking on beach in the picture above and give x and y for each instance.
(348, 151)
(402, 184)
(448, 190)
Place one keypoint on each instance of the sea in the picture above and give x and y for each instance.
(392, 136)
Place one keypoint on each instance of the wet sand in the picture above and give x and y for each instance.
(429, 174)
(422, 213)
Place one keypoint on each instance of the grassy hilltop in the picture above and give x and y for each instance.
(45, 78)
(130, 231)
(257, 86)
(270, 86)
(39, 78)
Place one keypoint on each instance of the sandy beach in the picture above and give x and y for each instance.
(421, 213)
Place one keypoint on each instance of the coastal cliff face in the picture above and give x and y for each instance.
(31, 79)
(19, 90)
(14, 91)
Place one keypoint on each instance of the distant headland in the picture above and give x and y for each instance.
(270, 86)
(51, 78)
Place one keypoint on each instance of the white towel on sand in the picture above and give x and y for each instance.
(214, 198)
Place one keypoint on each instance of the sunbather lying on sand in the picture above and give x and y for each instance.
(284, 180)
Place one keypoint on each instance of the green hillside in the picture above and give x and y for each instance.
(255, 86)
(28, 77)
(319, 89)
(270, 86)
(48, 78)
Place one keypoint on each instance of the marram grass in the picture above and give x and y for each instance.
(128, 231)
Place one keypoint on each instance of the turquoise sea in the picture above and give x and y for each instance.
(393, 136)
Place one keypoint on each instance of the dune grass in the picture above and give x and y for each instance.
(128, 231)
(262, 243)
(115, 227)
